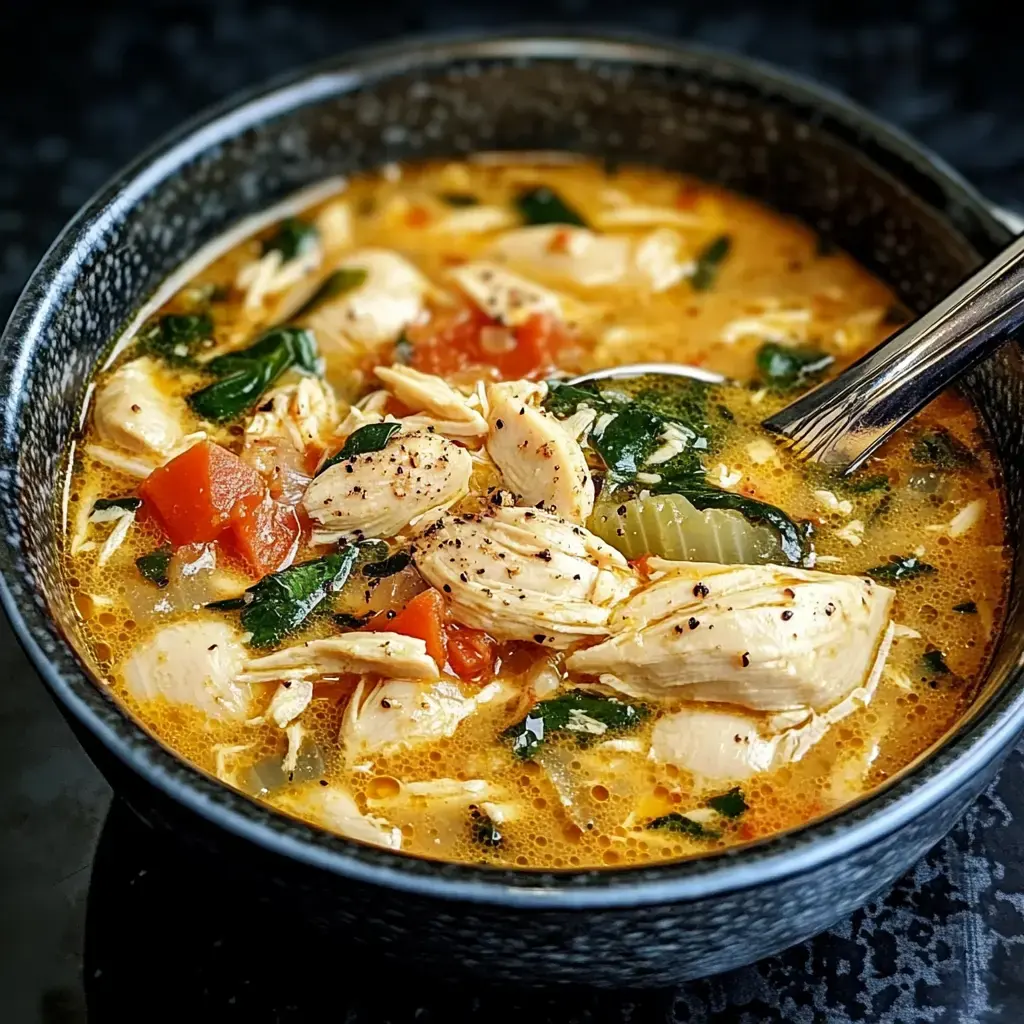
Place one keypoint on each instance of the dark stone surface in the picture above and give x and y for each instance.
(84, 91)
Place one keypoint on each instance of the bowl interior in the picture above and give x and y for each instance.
(814, 157)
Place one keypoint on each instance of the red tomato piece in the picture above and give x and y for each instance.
(422, 617)
(193, 495)
(264, 532)
(471, 653)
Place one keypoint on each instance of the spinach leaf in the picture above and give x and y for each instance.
(729, 804)
(371, 438)
(153, 566)
(543, 206)
(899, 568)
(940, 448)
(176, 337)
(389, 566)
(245, 375)
(935, 661)
(564, 399)
(782, 367)
(342, 280)
(709, 262)
(627, 440)
(583, 714)
(794, 537)
(460, 199)
(293, 237)
(404, 350)
(676, 822)
(127, 504)
(282, 601)
(967, 608)
(483, 828)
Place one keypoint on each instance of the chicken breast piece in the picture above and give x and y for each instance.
(195, 664)
(539, 462)
(524, 574)
(767, 637)
(590, 260)
(380, 493)
(724, 744)
(503, 295)
(333, 808)
(375, 312)
(386, 654)
(434, 397)
(398, 714)
(131, 411)
(303, 413)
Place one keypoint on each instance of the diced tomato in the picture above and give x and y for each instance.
(264, 532)
(422, 617)
(193, 495)
(456, 345)
(471, 653)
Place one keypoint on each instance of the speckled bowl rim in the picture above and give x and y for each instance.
(970, 750)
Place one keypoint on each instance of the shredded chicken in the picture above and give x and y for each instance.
(540, 463)
(131, 412)
(386, 654)
(767, 637)
(303, 413)
(524, 574)
(380, 493)
(433, 396)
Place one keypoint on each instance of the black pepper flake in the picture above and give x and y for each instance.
(499, 424)
(693, 623)
(701, 590)
(621, 510)
(789, 592)
(538, 638)
(745, 658)
(787, 615)
(447, 589)
(463, 577)
(830, 609)
(677, 629)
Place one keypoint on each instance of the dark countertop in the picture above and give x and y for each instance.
(84, 90)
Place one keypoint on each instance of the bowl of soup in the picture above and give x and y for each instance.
(344, 579)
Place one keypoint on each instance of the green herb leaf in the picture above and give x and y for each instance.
(342, 280)
(935, 662)
(782, 367)
(729, 804)
(281, 602)
(127, 504)
(404, 350)
(627, 440)
(176, 337)
(899, 568)
(543, 206)
(940, 448)
(585, 715)
(293, 237)
(153, 566)
(676, 822)
(709, 262)
(967, 608)
(229, 604)
(371, 438)
(460, 199)
(389, 566)
(483, 829)
(246, 375)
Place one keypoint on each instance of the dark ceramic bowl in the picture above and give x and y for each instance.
(872, 191)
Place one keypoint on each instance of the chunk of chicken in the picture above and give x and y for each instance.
(195, 664)
(333, 808)
(385, 654)
(132, 412)
(767, 637)
(376, 311)
(304, 413)
(506, 296)
(445, 409)
(720, 744)
(591, 260)
(524, 574)
(398, 714)
(538, 460)
(380, 493)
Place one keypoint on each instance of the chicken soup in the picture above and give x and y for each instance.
(342, 532)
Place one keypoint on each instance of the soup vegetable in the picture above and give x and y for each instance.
(340, 532)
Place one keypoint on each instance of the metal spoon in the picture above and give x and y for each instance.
(842, 421)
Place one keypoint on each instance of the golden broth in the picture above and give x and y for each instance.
(776, 284)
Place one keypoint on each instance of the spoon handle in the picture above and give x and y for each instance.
(842, 421)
